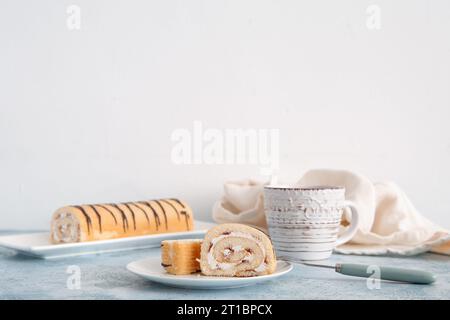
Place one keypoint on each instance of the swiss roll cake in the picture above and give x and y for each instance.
(181, 256)
(236, 250)
(79, 223)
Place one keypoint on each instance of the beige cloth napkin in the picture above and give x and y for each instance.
(389, 223)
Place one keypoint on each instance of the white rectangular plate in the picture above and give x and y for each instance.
(38, 244)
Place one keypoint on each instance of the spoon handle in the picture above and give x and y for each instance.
(386, 273)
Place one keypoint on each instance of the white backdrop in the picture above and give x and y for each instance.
(87, 115)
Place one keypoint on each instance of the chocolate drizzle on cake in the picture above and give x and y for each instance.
(132, 214)
(99, 217)
(173, 207)
(88, 219)
(179, 202)
(155, 215)
(163, 211)
(107, 209)
(143, 211)
(124, 217)
(182, 212)
(186, 218)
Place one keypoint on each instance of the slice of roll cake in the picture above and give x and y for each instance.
(181, 256)
(236, 250)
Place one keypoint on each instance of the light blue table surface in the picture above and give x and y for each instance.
(104, 276)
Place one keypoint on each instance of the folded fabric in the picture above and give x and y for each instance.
(242, 202)
(389, 223)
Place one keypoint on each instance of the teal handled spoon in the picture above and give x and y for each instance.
(385, 273)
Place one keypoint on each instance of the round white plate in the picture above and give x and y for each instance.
(151, 269)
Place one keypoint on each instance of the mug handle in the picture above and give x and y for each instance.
(350, 232)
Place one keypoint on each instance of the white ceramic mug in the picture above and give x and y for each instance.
(304, 222)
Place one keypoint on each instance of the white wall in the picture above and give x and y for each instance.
(87, 115)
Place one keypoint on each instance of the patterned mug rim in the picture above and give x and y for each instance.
(312, 188)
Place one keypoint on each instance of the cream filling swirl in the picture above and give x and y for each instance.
(214, 264)
(65, 228)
